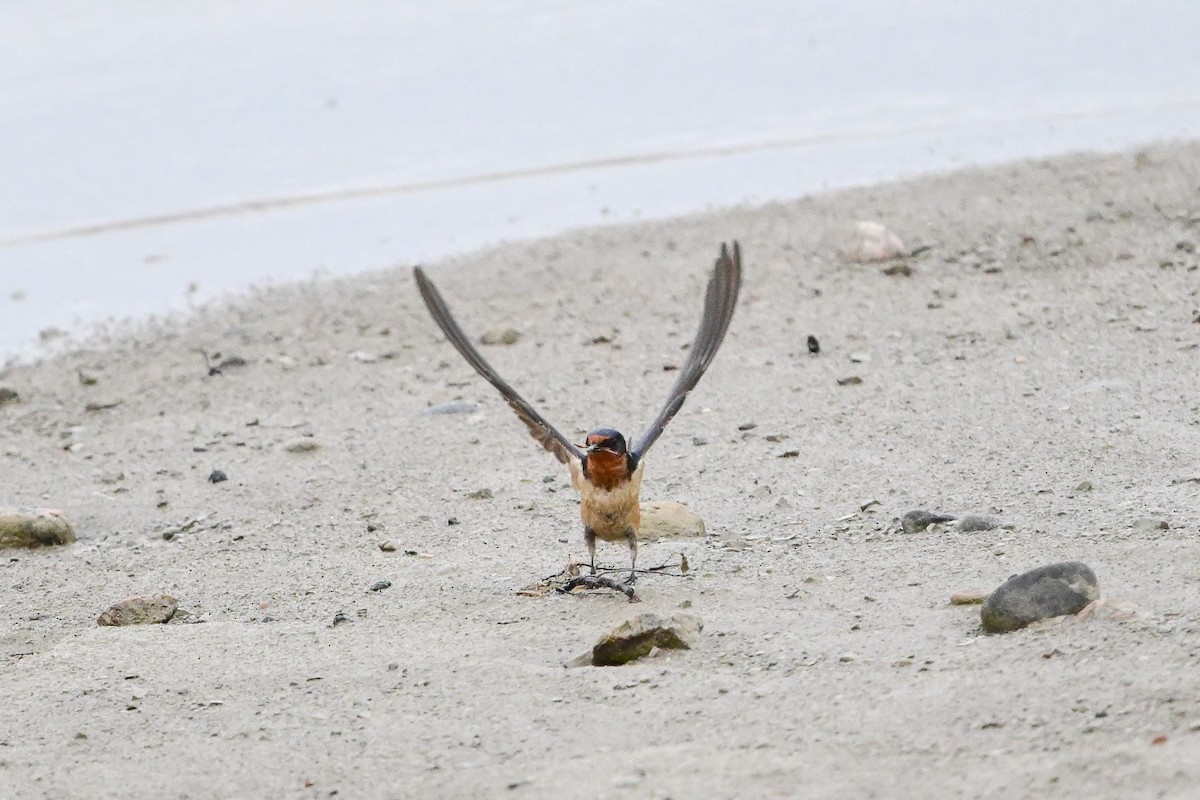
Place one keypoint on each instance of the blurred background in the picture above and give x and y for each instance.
(155, 155)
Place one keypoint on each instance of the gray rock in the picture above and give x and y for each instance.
(34, 527)
(636, 637)
(918, 520)
(8, 395)
(1050, 591)
(1151, 524)
(150, 610)
(666, 519)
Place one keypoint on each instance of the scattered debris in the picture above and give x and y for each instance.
(1050, 591)
(150, 610)
(34, 527)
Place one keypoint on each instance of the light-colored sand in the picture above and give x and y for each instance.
(1046, 338)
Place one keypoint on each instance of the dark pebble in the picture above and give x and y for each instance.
(453, 521)
(340, 617)
(1051, 591)
(379, 586)
(217, 476)
(814, 346)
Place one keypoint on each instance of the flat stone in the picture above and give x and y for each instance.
(1151, 524)
(149, 610)
(666, 519)
(918, 520)
(34, 527)
(1050, 591)
(636, 637)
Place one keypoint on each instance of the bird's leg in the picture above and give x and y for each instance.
(589, 537)
(631, 537)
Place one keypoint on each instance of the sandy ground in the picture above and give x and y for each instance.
(1046, 338)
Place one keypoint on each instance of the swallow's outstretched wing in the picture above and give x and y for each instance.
(719, 303)
(545, 433)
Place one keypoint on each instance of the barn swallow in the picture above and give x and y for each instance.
(607, 471)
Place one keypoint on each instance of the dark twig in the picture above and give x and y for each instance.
(599, 582)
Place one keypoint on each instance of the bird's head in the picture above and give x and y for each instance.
(605, 440)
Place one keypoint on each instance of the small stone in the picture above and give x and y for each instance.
(636, 637)
(453, 521)
(500, 335)
(387, 547)
(901, 270)
(8, 395)
(973, 524)
(699, 441)
(814, 346)
(302, 444)
(666, 519)
(871, 241)
(379, 586)
(860, 358)
(150, 610)
(340, 617)
(217, 476)
(452, 407)
(34, 527)
(1050, 591)
(479, 494)
(1084, 486)
(918, 520)
(1151, 524)
(852, 380)
(747, 426)
(969, 597)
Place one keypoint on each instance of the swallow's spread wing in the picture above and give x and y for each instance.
(542, 431)
(719, 302)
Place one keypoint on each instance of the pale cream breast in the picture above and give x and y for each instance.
(609, 512)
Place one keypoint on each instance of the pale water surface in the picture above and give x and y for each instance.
(159, 154)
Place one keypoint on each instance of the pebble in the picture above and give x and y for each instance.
(379, 586)
(918, 520)
(1084, 486)
(1151, 524)
(871, 241)
(8, 395)
(452, 407)
(666, 519)
(302, 444)
(480, 494)
(814, 346)
(388, 546)
(636, 637)
(853, 380)
(969, 597)
(973, 524)
(34, 527)
(1050, 591)
(150, 610)
(217, 476)
(500, 335)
